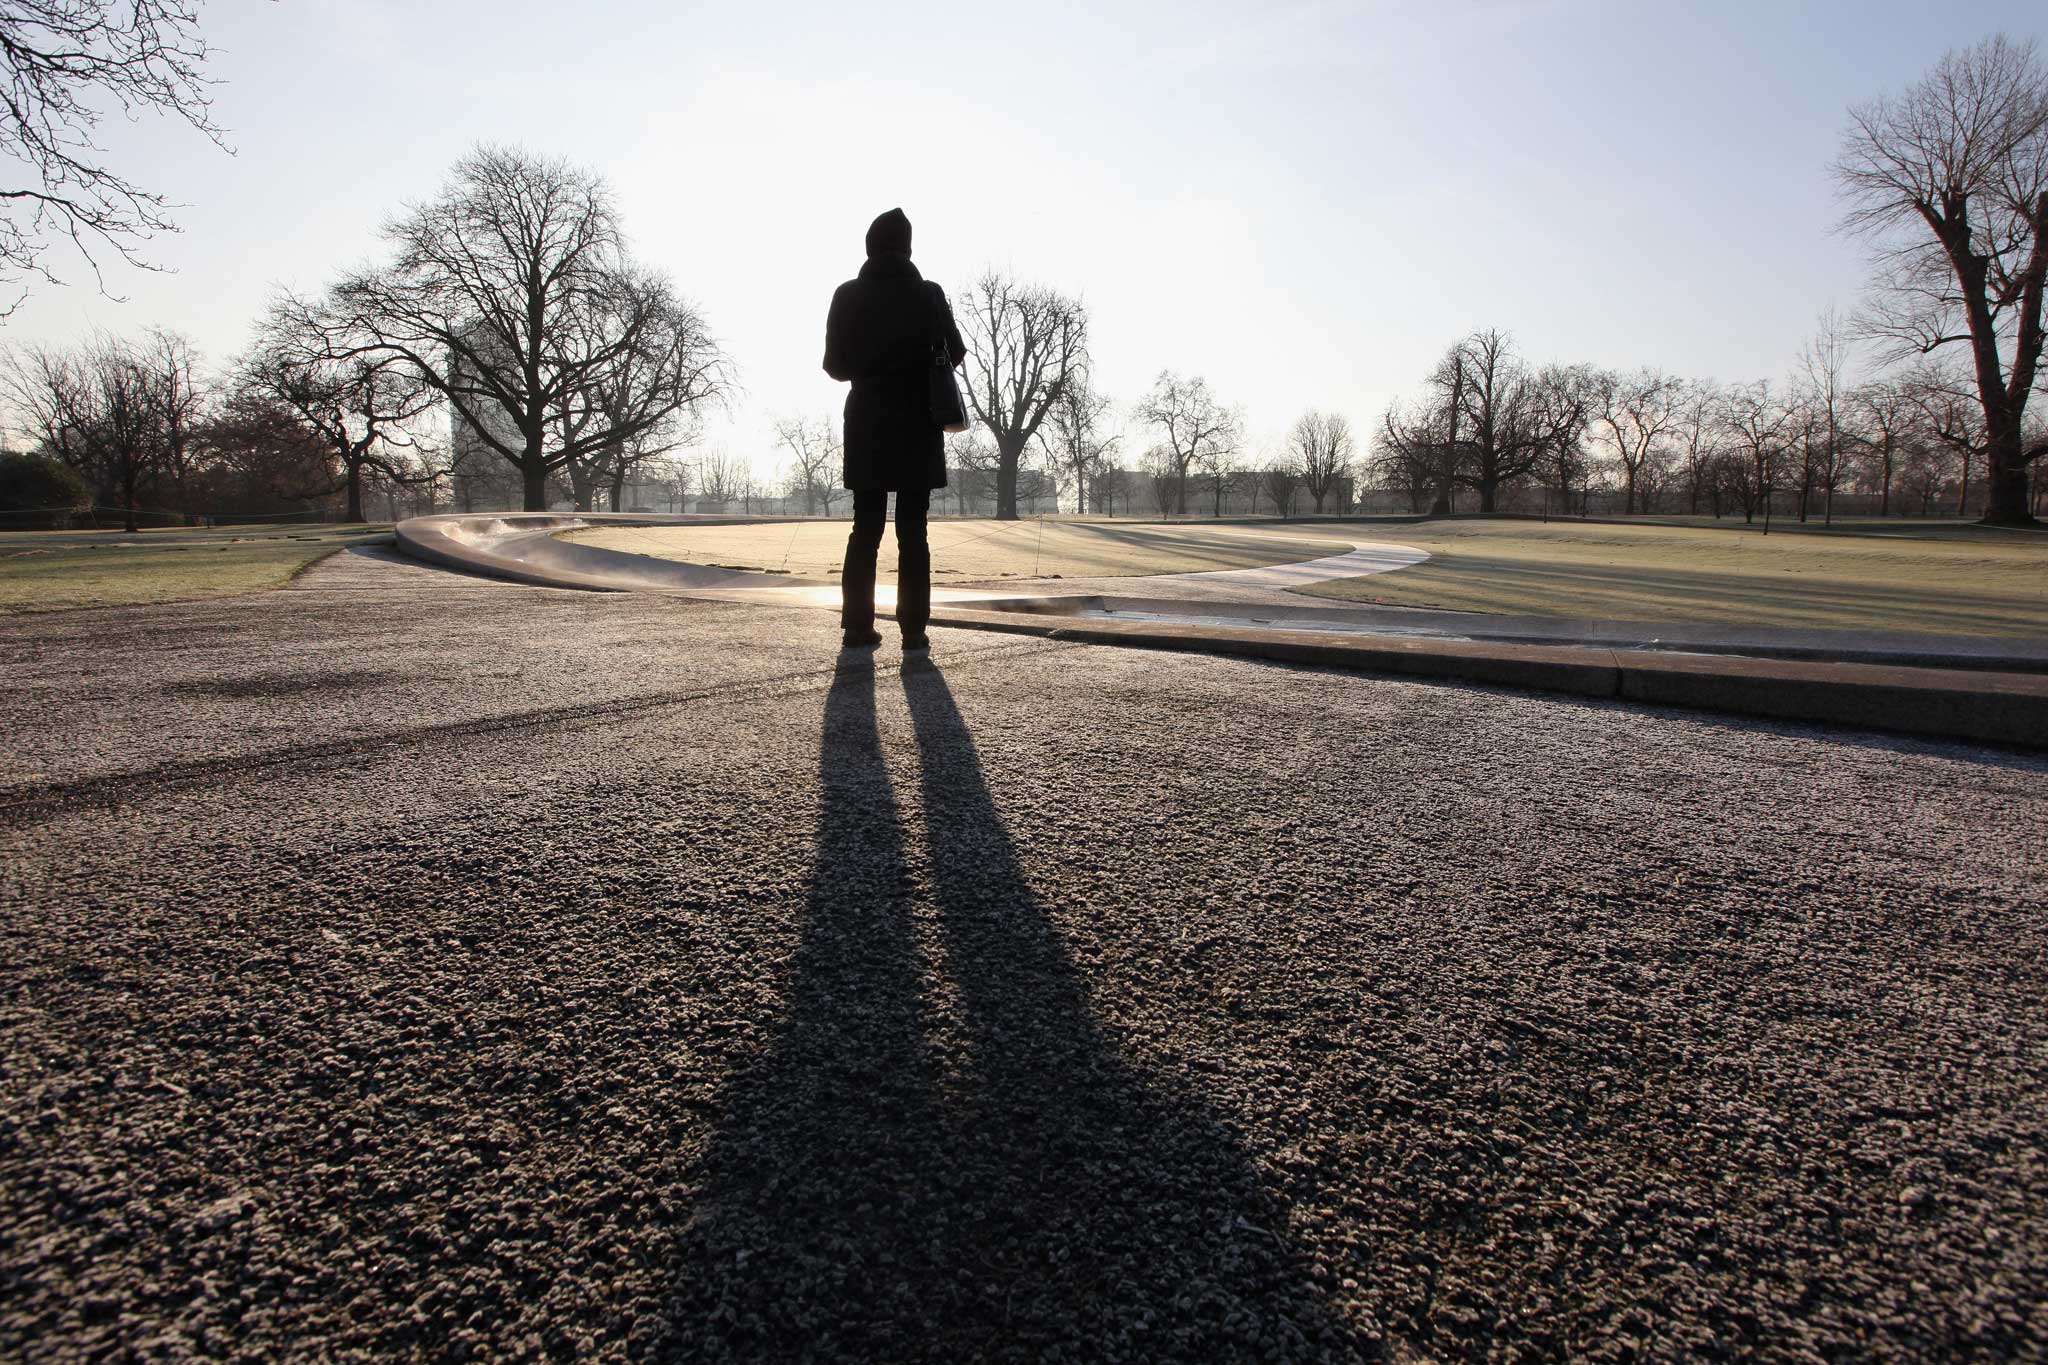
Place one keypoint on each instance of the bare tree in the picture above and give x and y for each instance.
(1449, 384)
(1162, 479)
(1220, 466)
(1924, 469)
(1755, 423)
(1076, 436)
(258, 457)
(1491, 420)
(972, 471)
(1413, 456)
(1109, 482)
(65, 64)
(1803, 425)
(106, 409)
(1696, 434)
(1950, 178)
(358, 407)
(1281, 480)
(1322, 453)
(1951, 414)
(1025, 343)
(1884, 416)
(1565, 473)
(1512, 415)
(1824, 362)
(814, 451)
(1633, 412)
(658, 353)
(1249, 482)
(723, 478)
(673, 476)
(406, 477)
(1196, 431)
(512, 295)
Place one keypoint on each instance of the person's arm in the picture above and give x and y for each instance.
(955, 347)
(836, 357)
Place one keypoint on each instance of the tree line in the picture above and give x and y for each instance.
(1948, 179)
(1513, 434)
(509, 322)
(510, 341)
(1037, 414)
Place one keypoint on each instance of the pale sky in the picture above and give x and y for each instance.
(1304, 203)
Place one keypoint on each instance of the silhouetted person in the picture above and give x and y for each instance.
(880, 335)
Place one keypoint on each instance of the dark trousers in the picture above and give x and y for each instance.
(913, 561)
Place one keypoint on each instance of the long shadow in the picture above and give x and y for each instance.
(911, 1173)
(1215, 556)
(1617, 589)
(812, 1203)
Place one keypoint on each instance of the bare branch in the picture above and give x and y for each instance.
(61, 62)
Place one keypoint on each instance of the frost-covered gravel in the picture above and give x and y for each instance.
(582, 976)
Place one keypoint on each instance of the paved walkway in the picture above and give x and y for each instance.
(401, 964)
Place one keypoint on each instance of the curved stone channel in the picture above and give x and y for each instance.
(526, 547)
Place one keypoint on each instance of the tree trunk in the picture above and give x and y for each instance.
(534, 476)
(581, 486)
(2005, 502)
(355, 492)
(1007, 460)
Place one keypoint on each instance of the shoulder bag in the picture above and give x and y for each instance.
(949, 410)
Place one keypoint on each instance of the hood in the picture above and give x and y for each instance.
(889, 235)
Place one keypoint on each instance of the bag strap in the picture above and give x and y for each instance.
(940, 311)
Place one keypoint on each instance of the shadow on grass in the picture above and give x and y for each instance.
(887, 1183)
(1209, 555)
(1623, 593)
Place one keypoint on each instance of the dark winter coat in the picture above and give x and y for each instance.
(879, 335)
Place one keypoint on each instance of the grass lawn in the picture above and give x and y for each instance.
(1951, 578)
(966, 551)
(57, 570)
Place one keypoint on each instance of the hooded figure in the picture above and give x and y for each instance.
(880, 335)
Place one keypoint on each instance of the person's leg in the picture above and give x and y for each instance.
(857, 581)
(913, 561)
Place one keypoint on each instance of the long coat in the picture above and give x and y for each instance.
(879, 335)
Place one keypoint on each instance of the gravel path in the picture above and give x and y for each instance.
(555, 975)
